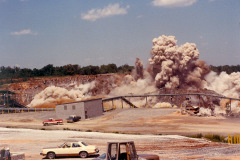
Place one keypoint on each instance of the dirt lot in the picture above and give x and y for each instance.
(155, 131)
(137, 121)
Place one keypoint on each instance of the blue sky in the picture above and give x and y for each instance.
(34, 33)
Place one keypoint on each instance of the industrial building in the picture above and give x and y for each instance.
(85, 109)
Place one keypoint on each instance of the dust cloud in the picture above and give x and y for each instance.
(170, 67)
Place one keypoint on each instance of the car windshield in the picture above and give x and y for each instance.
(84, 144)
(65, 145)
(62, 145)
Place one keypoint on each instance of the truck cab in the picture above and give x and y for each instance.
(124, 151)
(73, 118)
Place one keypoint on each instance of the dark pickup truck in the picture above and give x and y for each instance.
(73, 118)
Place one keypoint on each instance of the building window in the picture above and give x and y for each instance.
(65, 107)
(73, 107)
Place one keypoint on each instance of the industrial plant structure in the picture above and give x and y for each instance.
(85, 109)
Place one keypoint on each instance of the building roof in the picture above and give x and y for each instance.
(81, 101)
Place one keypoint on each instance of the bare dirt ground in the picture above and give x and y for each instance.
(137, 121)
(153, 131)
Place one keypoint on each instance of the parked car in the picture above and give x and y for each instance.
(73, 118)
(80, 149)
(52, 121)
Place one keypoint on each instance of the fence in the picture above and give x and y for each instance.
(235, 139)
(110, 108)
(21, 110)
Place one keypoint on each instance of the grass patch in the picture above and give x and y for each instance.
(211, 137)
(88, 130)
(116, 132)
(199, 135)
(66, 129)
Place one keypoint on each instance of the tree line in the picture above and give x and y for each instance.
(225, 68)
(16, 74)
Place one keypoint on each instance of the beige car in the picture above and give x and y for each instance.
(68, 149)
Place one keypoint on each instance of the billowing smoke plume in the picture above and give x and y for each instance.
(173, 66)
(228, 85)
(170, 67)
(139, 68)
(160, 105)
(55, 95)
(130, 86)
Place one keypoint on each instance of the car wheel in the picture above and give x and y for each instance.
(83, 154)
(51, 155)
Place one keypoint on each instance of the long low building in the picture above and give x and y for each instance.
(85, 109)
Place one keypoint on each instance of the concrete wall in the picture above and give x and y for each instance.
(84, 109)
(93, 108)
(63, 111)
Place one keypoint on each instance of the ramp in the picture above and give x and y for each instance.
(128, 102)
(122, 98)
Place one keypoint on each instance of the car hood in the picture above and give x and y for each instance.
(49, 147)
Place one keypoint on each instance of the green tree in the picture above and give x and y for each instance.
(47, 70)
(125, 68)
(90, 70)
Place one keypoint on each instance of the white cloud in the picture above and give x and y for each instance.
(110, 10)
(173, 3)
(24, 32)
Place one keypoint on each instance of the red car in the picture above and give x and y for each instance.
(52, 121)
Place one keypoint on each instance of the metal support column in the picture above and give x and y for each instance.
(112, 104)
(122, 103)
(230, 105)
(146, 101)
(4, 96)
(199, 101)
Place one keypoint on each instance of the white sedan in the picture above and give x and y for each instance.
(70, 149)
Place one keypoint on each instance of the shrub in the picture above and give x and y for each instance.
(211, 137)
